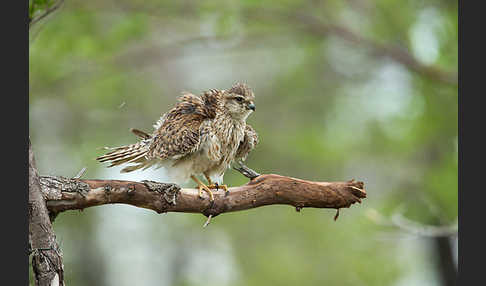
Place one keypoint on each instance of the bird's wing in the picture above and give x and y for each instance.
(250, 140)
(180, 130)
(141, 134)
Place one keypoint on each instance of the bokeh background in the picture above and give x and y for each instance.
(357, 89)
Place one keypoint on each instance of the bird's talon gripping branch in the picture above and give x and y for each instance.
(201, 186)
(225, 188)
(218, 186)
(215, 185)
(207, 190)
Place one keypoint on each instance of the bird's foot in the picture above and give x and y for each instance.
(207, 189)
(201, 186)
(217, 186)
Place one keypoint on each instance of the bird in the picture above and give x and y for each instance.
(201, 135)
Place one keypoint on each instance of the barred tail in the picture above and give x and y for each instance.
(134, 153)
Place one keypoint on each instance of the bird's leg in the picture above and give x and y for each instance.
(201, 186)
(215, 185)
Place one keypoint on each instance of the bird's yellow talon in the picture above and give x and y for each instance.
(215, 185)
(201, 186)
(207, 190)
(218, 186)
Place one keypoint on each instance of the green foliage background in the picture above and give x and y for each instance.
(327, 109)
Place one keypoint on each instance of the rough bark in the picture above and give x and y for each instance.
(63, 194)
(46, 255)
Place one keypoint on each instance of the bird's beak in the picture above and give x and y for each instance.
(251, 106)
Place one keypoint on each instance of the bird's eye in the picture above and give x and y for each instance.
(239, 99)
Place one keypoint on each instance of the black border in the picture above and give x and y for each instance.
(15, 107)
(471, 122)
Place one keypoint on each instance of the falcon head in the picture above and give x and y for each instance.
(238, 100)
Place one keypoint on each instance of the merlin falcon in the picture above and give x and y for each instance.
(201, 135)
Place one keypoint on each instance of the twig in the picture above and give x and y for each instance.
(46, 13)
(337, 215)
(80, 174)
(247, 172)
(208, 221)
(397, 220)
(317, 27)
(423, 230)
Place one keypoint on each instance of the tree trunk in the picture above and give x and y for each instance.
(46, 254)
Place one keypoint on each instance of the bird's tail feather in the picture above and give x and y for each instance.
(133, 153)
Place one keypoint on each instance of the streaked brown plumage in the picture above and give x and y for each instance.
(200, 135)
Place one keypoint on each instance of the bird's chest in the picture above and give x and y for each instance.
(229, 134)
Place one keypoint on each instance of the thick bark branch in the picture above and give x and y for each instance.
(46, 255)
(70, 194)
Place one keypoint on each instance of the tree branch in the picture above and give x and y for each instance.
(397, 220)
(423, 230)
(46, 13)
(46, 255)
(317, 27)
(63, 194)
